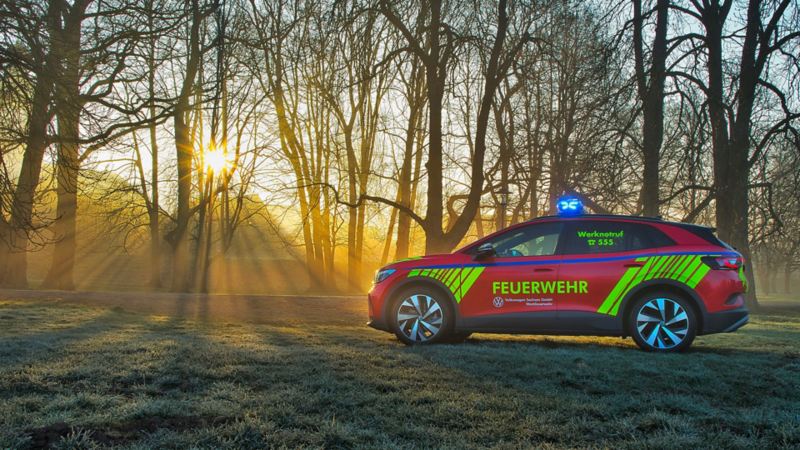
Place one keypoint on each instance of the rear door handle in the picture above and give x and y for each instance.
(543, 269)
(634, 265)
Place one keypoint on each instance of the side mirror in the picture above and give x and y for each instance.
(485, 251)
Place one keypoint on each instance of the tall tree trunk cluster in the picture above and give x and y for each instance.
(418, 118)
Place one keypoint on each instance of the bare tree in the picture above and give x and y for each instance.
(436, 52)
(44, 54)
(731, 112)
(184, 146)
(650, 82)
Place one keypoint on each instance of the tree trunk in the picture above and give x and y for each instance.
(404, 191)
(15, 241)
(409, 173)
(731, 165)
(353, 262)
(153, 213)
(438, 241)
(764, 272)
(68, 113)
(651, 94)
(787, 277)
(61, 273)
(434, 237)
(185, 153)
(387, 244)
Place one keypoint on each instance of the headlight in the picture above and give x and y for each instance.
(382, 275)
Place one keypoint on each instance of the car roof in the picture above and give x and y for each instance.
(621, 217)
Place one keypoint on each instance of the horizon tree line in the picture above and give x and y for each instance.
(333, 121)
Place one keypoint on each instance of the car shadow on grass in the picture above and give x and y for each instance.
(759, 337)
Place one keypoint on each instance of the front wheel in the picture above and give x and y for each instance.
(422, 316)
(662, 322)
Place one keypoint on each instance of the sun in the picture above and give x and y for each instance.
(215, 159)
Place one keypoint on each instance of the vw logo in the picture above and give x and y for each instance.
(498, 302)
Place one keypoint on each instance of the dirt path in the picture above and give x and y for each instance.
(285, 310)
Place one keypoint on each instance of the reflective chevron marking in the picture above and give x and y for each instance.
(458, 280)
(685, 269)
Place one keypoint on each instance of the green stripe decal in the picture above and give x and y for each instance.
(672, 262)
(679, 270)
(659, 262)
(458, 280)
(445, 274)
(468, 282)
(743, 277)
(698, 275)
(615, 293)
(690, 270)
(687, 269)
(675, 267)
(667, 265)
(640, 276)
(452, 278)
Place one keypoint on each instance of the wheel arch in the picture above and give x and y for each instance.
(426, 282)
(672, 286)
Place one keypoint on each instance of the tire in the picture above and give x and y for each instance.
(422, 316)
(662, 322)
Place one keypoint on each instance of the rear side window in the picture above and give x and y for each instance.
(653, 236)
(589, 237)
(707, 234)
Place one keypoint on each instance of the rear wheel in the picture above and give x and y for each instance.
(662, 322)
(422, 316)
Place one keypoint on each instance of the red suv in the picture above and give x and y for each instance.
(660, 282)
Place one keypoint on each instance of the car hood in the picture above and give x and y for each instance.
(421, 261)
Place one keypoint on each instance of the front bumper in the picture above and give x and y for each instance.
(378, 325)
(375, 319)
(725, 321)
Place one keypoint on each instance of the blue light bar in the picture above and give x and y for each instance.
(569, 206)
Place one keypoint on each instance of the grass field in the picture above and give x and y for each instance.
(75, 376)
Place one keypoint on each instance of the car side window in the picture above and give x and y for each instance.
(589, 237)
(532, 240)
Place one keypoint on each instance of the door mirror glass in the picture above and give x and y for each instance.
(485, 251)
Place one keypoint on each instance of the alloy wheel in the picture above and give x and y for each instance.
(420, 317)
(662, 323)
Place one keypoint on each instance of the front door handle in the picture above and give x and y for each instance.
(543, 269)
(634, 264)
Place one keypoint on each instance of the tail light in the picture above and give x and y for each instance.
(724, 262)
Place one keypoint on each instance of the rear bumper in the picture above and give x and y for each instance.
(725, 321)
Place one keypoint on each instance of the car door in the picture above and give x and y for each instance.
(518, 282)
(601, 257)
